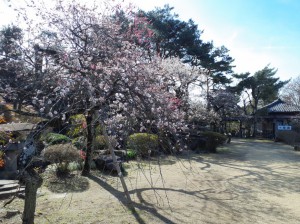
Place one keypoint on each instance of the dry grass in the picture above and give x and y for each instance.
(248, 182)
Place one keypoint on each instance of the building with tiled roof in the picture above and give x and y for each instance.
(277, 116)
(279, 106)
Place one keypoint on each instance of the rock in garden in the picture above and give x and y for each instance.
(105, 163)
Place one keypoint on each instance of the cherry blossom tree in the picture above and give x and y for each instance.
(83, 61)
(181, 78)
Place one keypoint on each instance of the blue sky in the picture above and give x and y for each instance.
(257, 32)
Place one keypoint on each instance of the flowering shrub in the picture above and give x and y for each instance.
(111, 79)
(82, 154)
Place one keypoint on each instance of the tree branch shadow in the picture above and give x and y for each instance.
(148, 207)
(121, 197)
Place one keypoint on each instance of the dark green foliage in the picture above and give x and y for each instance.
(173, 37)
(9, 38)
(263, 85)
(213, 140)
(131, 154)
(55, 138)
(143, 143)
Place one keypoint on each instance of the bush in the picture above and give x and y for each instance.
(131, 154)
(55, 138)
(213, 140)
(143, 143)
(101, 143)
(61, 155)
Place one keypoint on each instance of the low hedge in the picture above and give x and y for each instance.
(143, 143)
(213, 140)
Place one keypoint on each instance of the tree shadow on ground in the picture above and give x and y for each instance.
(71, 183)
(229, 193)
(121, 197)
(267, 163)
(149, 207)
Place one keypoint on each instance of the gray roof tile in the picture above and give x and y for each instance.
(279, 106)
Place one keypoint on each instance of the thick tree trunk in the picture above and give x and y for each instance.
(89, 147)
(32, 182)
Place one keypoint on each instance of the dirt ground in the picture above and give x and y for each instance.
(246, 182)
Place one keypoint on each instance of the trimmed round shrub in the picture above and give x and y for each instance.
(213, 140)
(55, 138)
(61, 155)
(143, 143)
(100, 142)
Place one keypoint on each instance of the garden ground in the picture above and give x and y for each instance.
(248, 181)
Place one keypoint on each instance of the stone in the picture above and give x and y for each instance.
(105, 163)
(120, 153)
